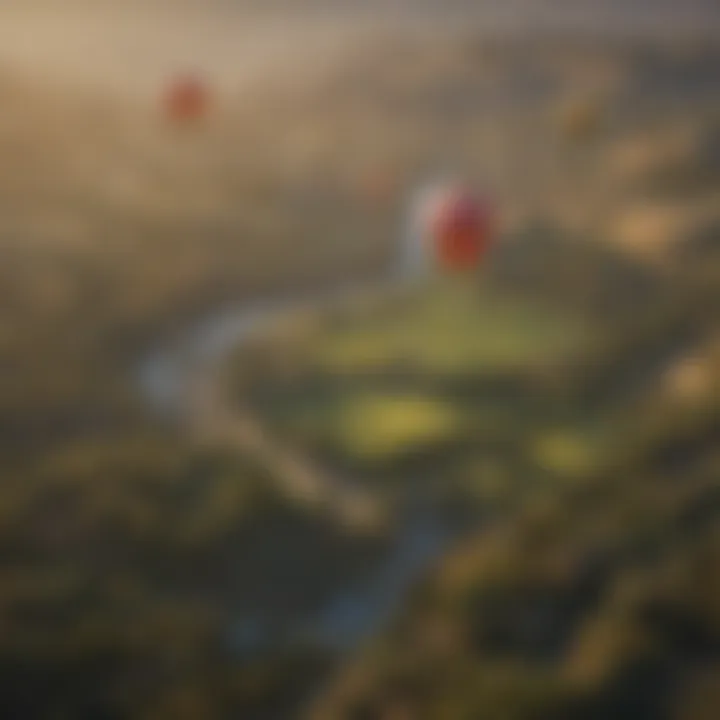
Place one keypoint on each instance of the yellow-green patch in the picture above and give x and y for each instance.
(380, 427)
(565, 452)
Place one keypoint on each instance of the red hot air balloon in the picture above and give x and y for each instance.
(461, 226)
(187, 100)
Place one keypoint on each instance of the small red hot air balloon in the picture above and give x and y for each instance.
(461, 226)
(187, 100)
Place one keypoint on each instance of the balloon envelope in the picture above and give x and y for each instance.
(461, 227)
(187, 99)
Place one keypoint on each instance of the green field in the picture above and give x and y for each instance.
(452, 327)
(435, 382)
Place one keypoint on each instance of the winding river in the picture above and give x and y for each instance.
(177, 381)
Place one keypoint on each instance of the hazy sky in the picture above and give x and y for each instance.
(130, 45)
